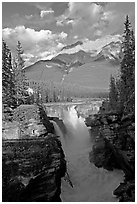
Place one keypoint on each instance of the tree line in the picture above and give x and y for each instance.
(56, 92)
(16, 86)
(14, 81)
(122, 87)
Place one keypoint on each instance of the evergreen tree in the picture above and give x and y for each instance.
(127, 69)
(20, 78)
(8, 92)
(113, 94)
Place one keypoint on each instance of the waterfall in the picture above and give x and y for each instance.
(57, 129)
(77, 137)
(59, 133)
(91, 184)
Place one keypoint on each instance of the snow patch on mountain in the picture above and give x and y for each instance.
(49, 66)
(93, 47)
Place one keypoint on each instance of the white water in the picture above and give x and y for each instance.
(91, 184)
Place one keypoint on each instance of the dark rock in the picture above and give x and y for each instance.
(44, 119)
(102, 155)
(11, 192)
(126, 191)
(34, 172)
(114, 147)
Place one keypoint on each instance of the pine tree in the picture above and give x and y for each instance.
(113, 94)
(20, 78)
(127, 69)
(8, 92)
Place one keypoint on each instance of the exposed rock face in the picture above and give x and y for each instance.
(32, 170)
(126, 191)
(114, 147)
(102, 156)
(28, 121)
(33, 159)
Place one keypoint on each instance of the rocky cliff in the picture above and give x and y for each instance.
(114, 147)
(33, 162)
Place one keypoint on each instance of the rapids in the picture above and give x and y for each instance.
(90, 184)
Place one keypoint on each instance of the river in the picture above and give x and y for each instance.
(90, 184)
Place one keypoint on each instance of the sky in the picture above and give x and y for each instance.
(43, 28)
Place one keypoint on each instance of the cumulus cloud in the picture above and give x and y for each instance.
(81, 16)
(78, 12)
(90, 11)
(68, 21)
(36, 44)
(30, 35)
(96, 19)
(61, 20)
(80, 20)
(44, 13)
(63, 35)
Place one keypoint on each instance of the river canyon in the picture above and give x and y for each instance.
(90, 184)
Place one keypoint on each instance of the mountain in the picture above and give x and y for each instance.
(94, 74)
(92, 47)
(107, 49)
(110, 52)
(72, 45)
(83, 63)
(45, 70)
(80, 56)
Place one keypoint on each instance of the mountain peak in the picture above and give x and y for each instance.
(72, 45)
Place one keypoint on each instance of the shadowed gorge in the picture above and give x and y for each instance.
(87, 180)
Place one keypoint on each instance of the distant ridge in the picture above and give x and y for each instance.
(72, 45)
(81, 64)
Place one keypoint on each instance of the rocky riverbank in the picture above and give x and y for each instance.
(33, 158)
(114, 148)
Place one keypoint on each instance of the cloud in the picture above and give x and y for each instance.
(52, 25)
(25, 34)
(90, 11)
(81, 17)
(93, 46)
(63, 35)
(44, 13)
(61, 21)
(97, 19)
(116, 13)
(28, 17)
(41, 5)
(75, 37)
(36, 44)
